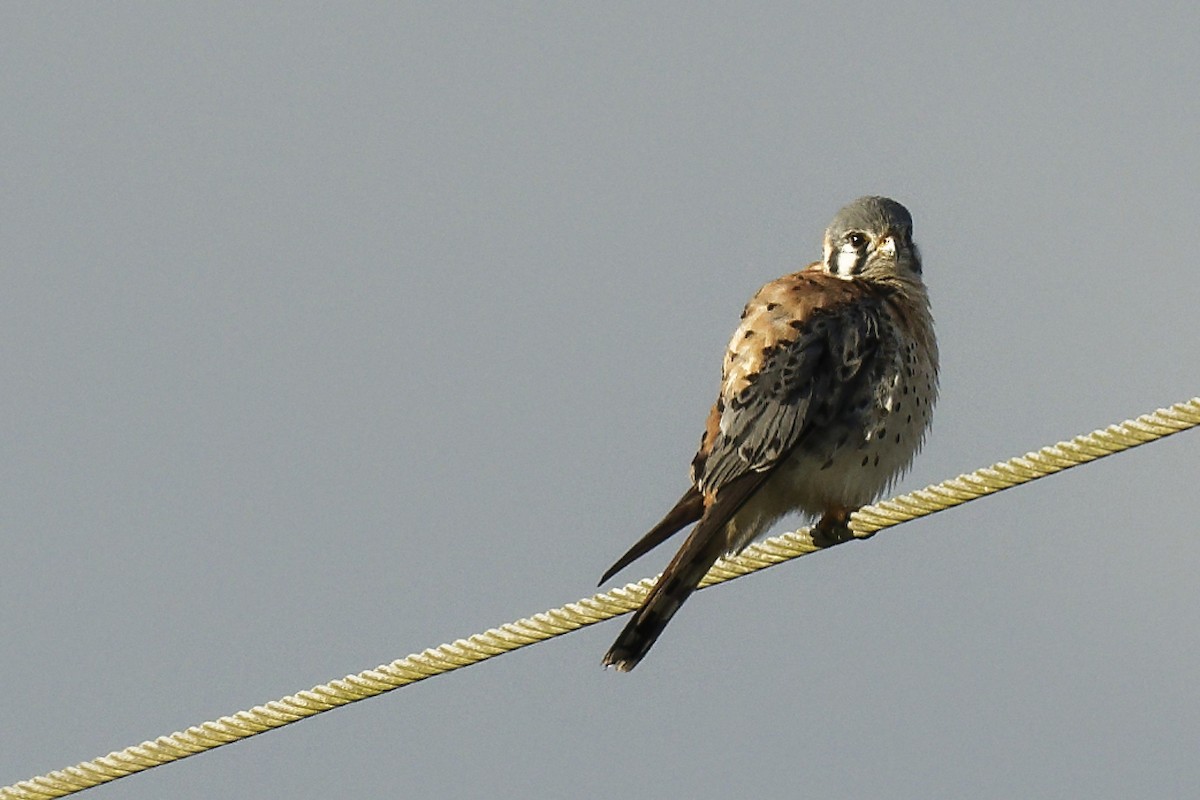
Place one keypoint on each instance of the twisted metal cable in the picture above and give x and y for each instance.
(588, 611)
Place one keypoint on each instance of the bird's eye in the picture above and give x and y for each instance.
(856, 239)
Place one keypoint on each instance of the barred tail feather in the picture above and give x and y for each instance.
(678, 581)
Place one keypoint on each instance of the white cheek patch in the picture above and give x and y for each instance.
(848, 260)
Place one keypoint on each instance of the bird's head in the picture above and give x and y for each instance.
(872, 238)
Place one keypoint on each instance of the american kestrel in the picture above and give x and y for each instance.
(826, 394)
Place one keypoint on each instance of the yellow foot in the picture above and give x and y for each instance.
(834, 528)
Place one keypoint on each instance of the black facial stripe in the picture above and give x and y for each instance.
(861, 263)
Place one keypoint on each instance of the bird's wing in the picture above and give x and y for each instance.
(689, 509)
(799, 353)
(802, 342)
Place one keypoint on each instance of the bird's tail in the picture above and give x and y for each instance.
(676, 585)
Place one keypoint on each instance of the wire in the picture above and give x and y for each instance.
(588, 611)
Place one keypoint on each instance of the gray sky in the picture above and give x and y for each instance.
(336, 334)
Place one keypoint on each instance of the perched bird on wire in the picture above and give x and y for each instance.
(826, 394)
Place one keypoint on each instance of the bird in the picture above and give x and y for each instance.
(827, 392)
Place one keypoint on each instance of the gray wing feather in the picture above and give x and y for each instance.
(802, 384)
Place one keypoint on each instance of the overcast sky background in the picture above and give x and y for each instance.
(332, 333)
